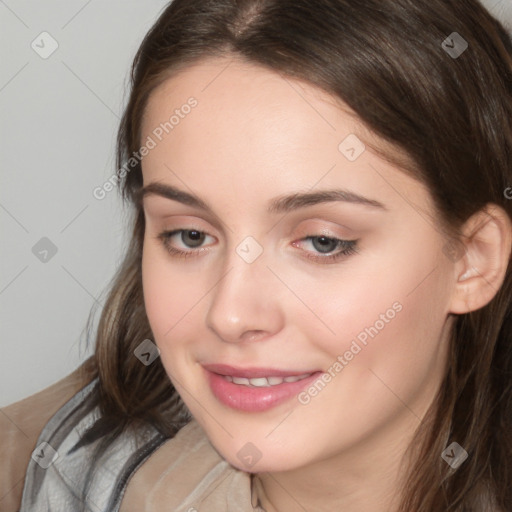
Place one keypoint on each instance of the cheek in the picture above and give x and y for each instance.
(411, 350)
(154, 289)
(388, 321)
(399, 361)
(172, 302)
(165, 297)
(380, 370)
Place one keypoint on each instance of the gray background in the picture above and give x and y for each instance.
(58, 121)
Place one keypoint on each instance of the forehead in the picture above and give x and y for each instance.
(243, 97)
(252, 128)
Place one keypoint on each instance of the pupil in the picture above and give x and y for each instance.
(195, 236)
(325, 244)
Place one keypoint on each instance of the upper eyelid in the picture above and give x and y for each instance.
(158, 216)
(173, 232)
(220, 226)
(318, 231)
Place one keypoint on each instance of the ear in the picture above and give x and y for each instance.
(484, 255)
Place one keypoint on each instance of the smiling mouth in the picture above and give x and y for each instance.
(264, 382)
(256, 389)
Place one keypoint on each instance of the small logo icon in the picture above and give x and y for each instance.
(146, 352)
(44, 45)
(455, 455)
(454, 45)
(44, 250)
(249, 249)
(508, 193)
(249, 455)
(45, 455)
(454, 250)
(351, 147)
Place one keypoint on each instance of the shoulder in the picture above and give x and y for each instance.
(64, 474)
(187, 474)
(20, 426)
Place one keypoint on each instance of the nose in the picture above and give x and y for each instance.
(245, 304)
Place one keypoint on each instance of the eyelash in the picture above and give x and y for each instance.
(350, 247)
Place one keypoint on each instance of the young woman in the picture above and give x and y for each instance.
(315, 311)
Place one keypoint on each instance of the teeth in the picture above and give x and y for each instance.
(241, 380)
(296, 378)
(262, 382)
(259, 383)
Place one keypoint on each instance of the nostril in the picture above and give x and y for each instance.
(254, 336)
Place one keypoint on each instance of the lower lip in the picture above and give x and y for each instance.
(253, 399)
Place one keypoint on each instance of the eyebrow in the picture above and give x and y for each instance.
(281, 204)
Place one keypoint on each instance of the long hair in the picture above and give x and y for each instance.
(450, 115)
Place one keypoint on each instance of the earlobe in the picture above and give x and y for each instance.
(480, 272)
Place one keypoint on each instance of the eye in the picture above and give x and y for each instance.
(193, 239)
(324, 245)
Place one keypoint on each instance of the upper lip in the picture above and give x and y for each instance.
(255, 372)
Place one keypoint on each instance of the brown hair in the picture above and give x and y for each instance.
(451, 117)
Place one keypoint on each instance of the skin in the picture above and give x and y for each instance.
(252, 137)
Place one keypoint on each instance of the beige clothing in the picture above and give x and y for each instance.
(20, 426)
(187, 474)
(184, 474)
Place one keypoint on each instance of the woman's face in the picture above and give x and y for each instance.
(247, 294)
